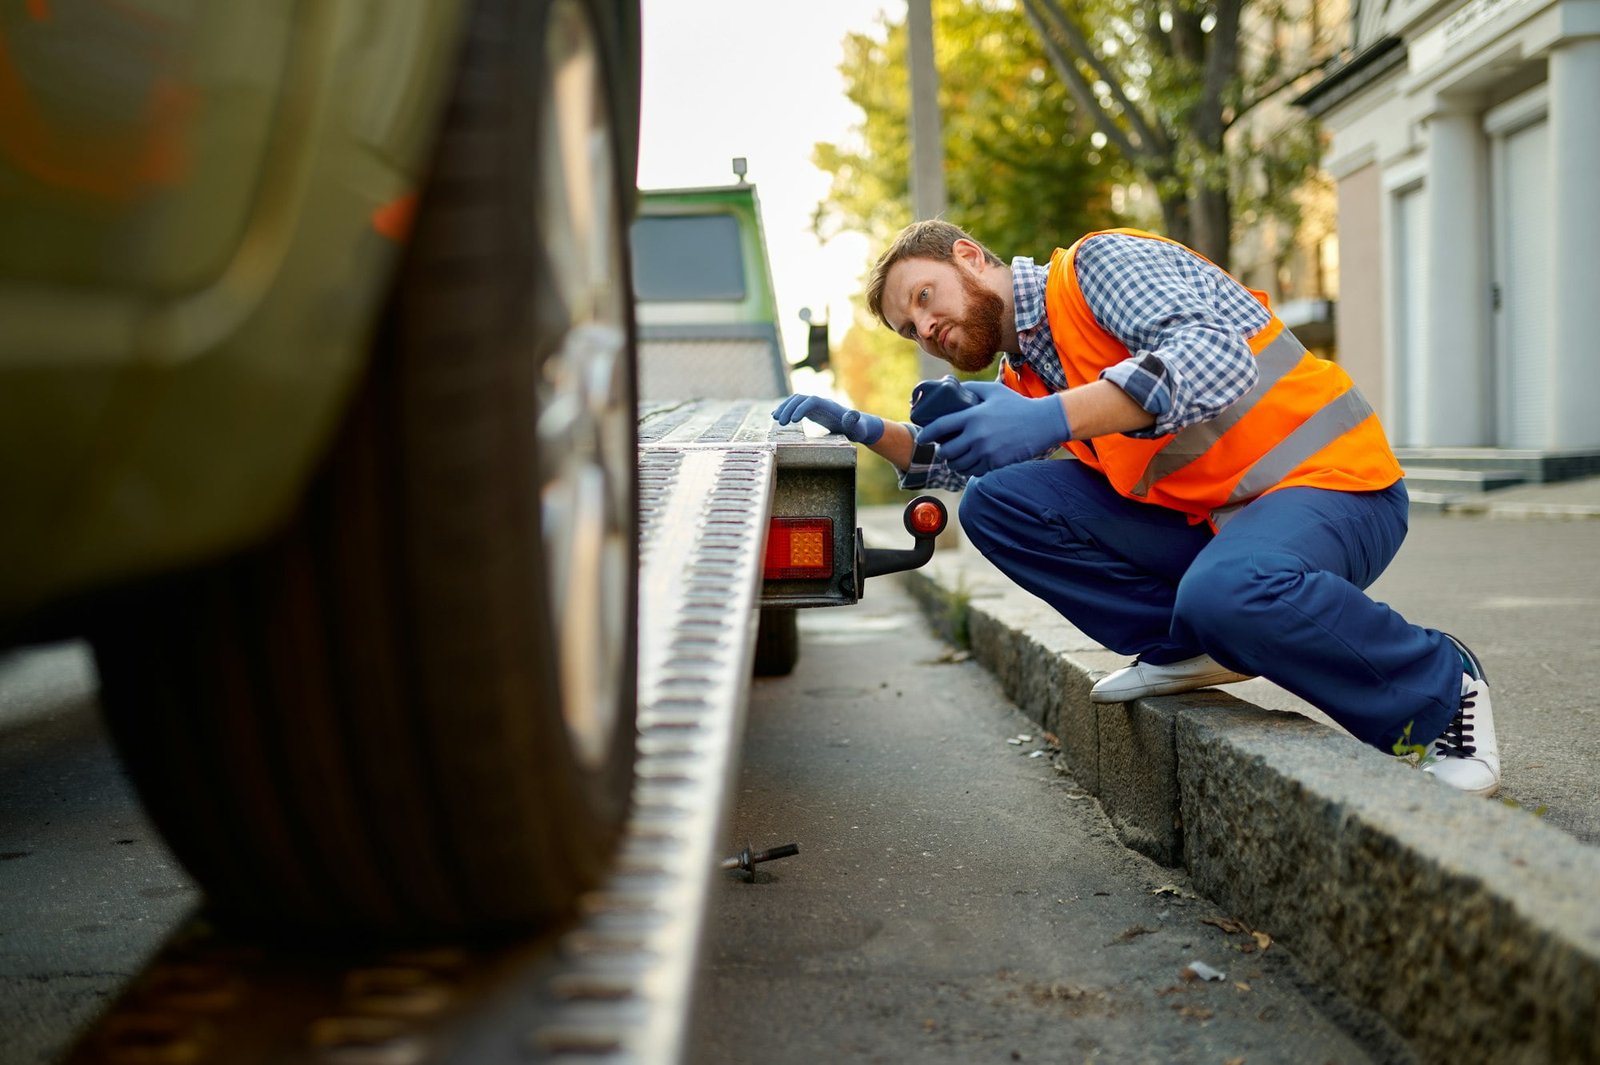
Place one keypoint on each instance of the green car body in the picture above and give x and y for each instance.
(200, 210)
(317, 420)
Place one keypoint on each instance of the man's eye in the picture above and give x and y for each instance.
(922, 297)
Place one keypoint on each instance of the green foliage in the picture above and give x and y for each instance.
(1269, 171)
(1538, 811)
(1021, 173)
(876, 369)
(1415, 754)
(1194, 94)
(956, 619)
(877, 482)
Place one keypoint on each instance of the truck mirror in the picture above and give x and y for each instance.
(817, 355)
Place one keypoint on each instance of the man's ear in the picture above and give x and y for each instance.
(968, 254)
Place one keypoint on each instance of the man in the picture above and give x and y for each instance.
(1233, 496)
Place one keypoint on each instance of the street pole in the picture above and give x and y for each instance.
(927, 173)
(927, 138)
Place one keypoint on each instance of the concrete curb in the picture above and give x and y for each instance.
(1487, 506)
(1470, 926)
(1480, 508)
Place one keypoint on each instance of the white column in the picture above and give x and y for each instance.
(1575, 179)
(1454, 371)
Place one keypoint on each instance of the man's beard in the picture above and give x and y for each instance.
(980, 328)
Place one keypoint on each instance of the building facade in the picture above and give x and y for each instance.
(1466, 151)
(1295, 260)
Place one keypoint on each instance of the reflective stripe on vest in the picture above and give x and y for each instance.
(1340, 416)
(1300, 424)
(1274, 362)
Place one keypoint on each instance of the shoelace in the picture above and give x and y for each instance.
(1456, 742)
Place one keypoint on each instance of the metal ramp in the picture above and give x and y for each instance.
(614, 988)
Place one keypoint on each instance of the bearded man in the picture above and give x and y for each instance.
(1232, 496)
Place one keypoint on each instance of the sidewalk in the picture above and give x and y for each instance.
(1574, 499)
(1472, 925)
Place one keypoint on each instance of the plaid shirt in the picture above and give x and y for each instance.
(1183, 321)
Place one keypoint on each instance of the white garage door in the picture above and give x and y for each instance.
(1524, 231)
(1411, 302)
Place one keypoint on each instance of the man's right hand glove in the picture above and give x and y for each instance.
(834, 417)
(1003, 428)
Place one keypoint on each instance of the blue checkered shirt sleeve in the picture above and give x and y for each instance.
(1183, 320)
(927, 469)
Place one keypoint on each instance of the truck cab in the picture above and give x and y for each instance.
(705, 307)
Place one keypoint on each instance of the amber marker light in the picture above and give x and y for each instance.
(798, 548)
(926, 518)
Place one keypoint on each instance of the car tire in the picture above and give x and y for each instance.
(777, 642)
(412, 711)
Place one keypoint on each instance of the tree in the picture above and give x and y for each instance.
(1022, 169)
(1024, 172)
(1166, 80)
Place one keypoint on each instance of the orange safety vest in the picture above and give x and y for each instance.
(1303, 424)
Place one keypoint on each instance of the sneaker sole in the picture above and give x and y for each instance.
(1176, 688)
(1480, 793)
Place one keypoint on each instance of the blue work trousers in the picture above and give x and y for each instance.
(1279, 592)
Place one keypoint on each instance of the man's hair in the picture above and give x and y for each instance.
(932, 238)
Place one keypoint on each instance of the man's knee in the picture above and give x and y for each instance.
(991, 503)
(1221, 597)
(976, 508)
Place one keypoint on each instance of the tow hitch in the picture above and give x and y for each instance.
(925, 518)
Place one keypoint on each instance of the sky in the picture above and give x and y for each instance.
(760, 79)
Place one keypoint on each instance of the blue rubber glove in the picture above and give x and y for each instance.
(1006, 427)
(834, 417)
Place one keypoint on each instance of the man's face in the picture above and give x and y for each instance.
(946, 310)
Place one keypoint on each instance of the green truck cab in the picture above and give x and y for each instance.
(706, 310)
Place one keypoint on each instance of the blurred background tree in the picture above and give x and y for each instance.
(1170, 83)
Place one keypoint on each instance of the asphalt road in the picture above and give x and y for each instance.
(958, 900)
(87, 888)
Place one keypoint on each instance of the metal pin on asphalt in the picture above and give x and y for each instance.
(746, 862)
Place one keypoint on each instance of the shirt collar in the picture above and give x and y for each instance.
(1033, 326)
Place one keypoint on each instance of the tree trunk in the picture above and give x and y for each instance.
(1211, 218)
(1175, 217)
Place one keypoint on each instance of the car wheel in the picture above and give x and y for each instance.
(413, 710)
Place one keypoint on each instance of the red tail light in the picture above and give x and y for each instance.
(798, 548)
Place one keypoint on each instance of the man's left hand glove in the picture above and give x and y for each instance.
(834, 417)
(1006, 427)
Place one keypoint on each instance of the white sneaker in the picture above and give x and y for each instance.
(1467, 755)
(1142, 679)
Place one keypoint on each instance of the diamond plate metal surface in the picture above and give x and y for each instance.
(706, 476)
(715, 368)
